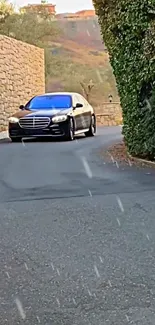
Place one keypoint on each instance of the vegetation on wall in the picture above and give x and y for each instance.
(128, 30)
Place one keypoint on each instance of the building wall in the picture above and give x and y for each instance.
(21, 75)
(109, 114)
(40, 8)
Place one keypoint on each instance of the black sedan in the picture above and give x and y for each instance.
(53, 115)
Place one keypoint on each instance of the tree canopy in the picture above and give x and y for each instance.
(6, 9)
(27, 26)
(31, 27)
(128, 30)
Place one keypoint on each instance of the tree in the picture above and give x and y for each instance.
(128, 30)
(87, 89)
(27, 27)
(6, 9)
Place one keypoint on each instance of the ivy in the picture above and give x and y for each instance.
(128, 30)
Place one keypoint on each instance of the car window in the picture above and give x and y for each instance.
(79, 99)
(49, 102)
(83, 100)
(76, 99)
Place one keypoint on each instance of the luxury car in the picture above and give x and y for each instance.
(53, 115)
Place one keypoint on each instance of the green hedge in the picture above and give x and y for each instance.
(128, 30)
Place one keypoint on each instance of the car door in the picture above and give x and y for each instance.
(87, 112)
(77, 112)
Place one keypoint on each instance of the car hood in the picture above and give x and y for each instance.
(42, 113)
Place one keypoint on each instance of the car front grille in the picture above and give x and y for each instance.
(34, 122)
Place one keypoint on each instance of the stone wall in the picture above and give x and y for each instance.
(109, 114)
(21, 75)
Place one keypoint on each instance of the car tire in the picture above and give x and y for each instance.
(92, 129)
(70, 135)
(16, 139)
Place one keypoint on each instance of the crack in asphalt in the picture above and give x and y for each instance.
(97, 193)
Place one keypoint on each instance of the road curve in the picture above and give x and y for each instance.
(76, 235)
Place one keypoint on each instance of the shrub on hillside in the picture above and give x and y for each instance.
(128, 29)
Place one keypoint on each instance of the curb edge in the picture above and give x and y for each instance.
(151, 163)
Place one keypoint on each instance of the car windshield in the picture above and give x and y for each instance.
(49, 102)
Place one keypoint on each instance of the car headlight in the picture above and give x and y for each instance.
(60, 118)
(13, 120)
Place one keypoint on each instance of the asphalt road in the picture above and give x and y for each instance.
(77, 244)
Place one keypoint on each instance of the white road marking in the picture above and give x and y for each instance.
(120, 203)
(89, 293)
(90, 193)
(58, 302)
(52, 266)
(112, 158)
(110, 285)
(26, 267)
(7, 275)
(118, 221)
(147, 236)
(96, 271)
(130, 163)
(127, 318)
(74, 301)
(100, 259)
(87, 168)
(23, 143)
(20, 308)
(117, 165)
(38, 319)
(58, 272)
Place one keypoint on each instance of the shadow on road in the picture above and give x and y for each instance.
(44, 139)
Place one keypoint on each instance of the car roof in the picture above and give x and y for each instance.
(59, 93)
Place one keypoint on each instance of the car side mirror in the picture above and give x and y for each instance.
(78, 105)
(21, 107)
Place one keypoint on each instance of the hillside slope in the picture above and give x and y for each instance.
(75, 58)
(85, 32)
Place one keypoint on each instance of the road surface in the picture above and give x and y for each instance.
(77, 243)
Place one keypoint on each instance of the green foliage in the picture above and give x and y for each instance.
(6, 9)
(128, 30)
(29, 28)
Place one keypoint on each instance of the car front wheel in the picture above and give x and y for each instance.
(92, 128)
(70, 135)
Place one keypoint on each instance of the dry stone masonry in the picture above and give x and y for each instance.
(21, 75)
(109, 114)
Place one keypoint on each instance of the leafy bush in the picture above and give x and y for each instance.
(128, 30)
(27, 27)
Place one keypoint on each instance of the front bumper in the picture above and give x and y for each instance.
(53, 130)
